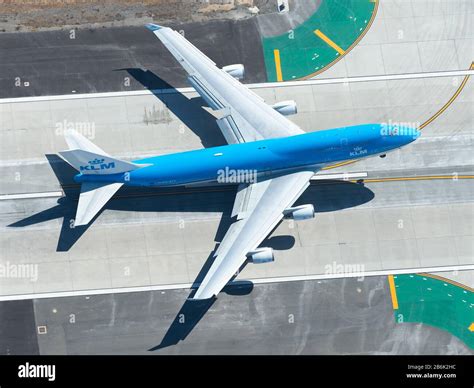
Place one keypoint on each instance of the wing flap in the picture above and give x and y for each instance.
(230, 130)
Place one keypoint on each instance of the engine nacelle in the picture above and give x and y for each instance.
(236, 71)
(261, 255)
(286, 108)
(299, 213)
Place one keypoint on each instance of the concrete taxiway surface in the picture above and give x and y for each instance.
(392, 223)
(344, 316)
(143, 240)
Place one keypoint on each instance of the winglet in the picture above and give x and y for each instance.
(153, 27)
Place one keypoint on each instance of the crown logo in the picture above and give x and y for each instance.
(96, 161)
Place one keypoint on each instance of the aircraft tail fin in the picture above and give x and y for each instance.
(76, 141)
(89, 159)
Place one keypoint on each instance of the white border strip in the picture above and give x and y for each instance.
(325, 81)
(284, 279)
(47, 194)
(344, 176)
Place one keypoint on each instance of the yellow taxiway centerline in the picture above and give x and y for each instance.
(393, 292)
(427, 122)
(276, 54)
(450, 101)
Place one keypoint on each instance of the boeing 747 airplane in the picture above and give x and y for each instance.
(273, 155)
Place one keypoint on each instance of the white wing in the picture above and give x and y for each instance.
(259, 207)
(243, 115)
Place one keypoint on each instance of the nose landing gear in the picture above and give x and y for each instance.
(383, 155)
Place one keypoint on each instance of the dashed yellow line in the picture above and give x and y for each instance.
(393, 292)
(329, 42)
(276, 54)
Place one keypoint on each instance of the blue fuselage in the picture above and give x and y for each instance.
(267, 157)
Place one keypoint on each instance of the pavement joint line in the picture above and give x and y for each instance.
(329, 41)
(104, 291)
(326, 81)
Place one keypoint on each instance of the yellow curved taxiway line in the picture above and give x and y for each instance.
(427, 122)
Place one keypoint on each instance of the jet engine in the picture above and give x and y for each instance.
(261, 255)
(286, 108)
(236, 71)
(298, 213)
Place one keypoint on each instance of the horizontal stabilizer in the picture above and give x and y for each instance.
(93, 197)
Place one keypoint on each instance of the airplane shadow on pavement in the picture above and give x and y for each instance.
(326, 196)
(338, 195)
(189, 111)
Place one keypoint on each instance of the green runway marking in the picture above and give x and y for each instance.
(303, 53)
(435, 303)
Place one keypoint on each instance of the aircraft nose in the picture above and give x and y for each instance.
(400, 136)
(416, 134)
(411, 135)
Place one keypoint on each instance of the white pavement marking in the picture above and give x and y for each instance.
(285, 279)
(47, 194)
(344, 176)
(344, 80)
